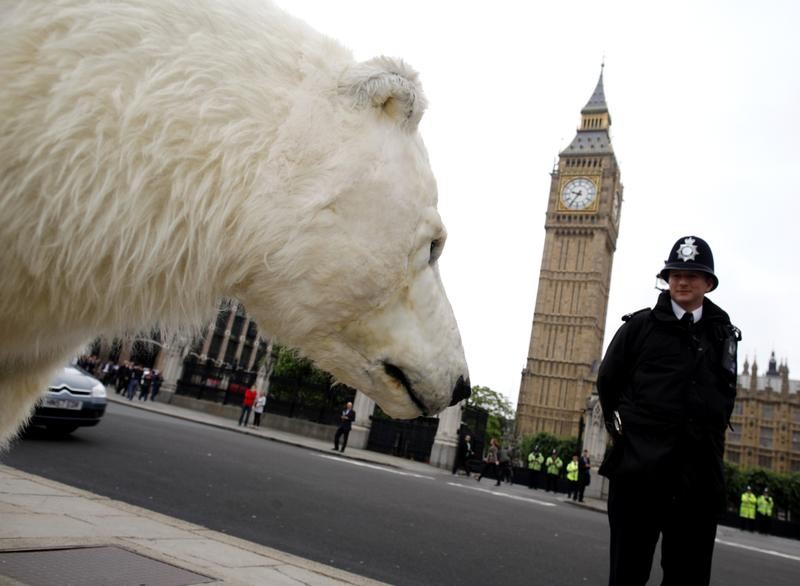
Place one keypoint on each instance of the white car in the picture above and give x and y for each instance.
(74, 399)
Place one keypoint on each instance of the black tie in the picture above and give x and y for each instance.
(688, 318)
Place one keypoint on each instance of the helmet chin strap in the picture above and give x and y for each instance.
(661, 284)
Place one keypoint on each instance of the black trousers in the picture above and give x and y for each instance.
(581, 489)
(748, 524)
(764, 523)
(572, 489)
(638, 512)
(490, 467)
(460, 463)
(344, 433)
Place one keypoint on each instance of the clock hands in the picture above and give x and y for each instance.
(575, 195)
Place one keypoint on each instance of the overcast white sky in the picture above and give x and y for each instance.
(705, 104)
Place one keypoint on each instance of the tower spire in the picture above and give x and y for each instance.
(592, 137)
(597, 103)
(772, 367)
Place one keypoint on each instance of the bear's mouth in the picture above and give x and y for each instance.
(398, 375)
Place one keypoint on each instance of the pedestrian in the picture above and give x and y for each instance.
(134, 381)
(553, 466)
(114, 377)
(346, 420)
(584, 474)
(258, 409)
(156, 384)
(491, 461)
(535, 463)
(504, 470)
(764, 505)
(123, 377)
(572, 477)
(747, 509)
(247, 405)
(515, 460)
(106, 371)
(144, 386)
(464, 453)
(667, 386)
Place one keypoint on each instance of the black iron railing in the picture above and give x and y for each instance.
(317, 402)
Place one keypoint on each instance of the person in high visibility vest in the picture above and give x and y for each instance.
(535, 463)
(747, 509)
(553, 465)
(764, 505)
(572, 478)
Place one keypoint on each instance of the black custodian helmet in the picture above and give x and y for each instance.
(690, 253)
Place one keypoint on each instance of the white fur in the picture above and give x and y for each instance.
(156, 156)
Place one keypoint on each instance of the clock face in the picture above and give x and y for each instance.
(578, 194)
(615, 208)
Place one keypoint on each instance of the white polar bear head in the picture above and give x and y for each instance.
(358, 283)
(159, 155)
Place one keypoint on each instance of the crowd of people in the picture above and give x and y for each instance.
(136, 381)
(128, 378)
(755, 512)
(543, 472)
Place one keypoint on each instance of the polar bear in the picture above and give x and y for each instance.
(158, 155)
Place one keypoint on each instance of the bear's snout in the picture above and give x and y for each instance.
(461, 391)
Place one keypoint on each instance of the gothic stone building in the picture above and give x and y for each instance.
(766, 420)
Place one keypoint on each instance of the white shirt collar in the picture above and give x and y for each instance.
(679, 311)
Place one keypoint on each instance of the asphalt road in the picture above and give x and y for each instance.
(374, 521)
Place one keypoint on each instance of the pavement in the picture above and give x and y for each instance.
(51, 533)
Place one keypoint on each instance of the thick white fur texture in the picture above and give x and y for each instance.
(156, 156)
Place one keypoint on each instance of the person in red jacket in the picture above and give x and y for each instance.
(247, 405)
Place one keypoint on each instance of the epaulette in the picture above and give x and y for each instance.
(628, 316)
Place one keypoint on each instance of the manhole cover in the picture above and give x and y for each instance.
(92, 566)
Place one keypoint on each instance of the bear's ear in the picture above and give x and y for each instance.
(388, 84)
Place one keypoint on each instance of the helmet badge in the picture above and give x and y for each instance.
(687, 250)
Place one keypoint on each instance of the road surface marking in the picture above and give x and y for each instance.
(375, 467)
(759, 550)
(503, 494)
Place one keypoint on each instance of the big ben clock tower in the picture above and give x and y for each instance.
(583, 212)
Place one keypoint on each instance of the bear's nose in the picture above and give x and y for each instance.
(461, 391)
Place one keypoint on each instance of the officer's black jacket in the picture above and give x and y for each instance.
(673, 385)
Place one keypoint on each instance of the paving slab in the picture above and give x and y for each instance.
(49, 522)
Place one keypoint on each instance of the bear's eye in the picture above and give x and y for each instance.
(436, 249)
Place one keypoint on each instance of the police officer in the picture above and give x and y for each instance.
(667, 385)
(764, 505)
(535, 463)
(572, 477)
(747, 509)
(553, 465)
